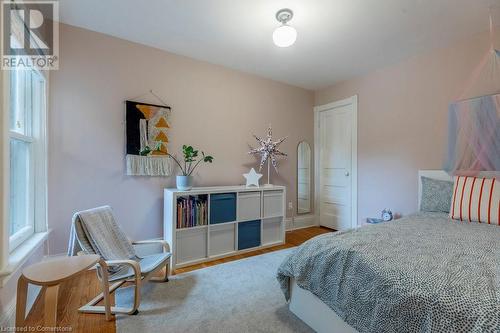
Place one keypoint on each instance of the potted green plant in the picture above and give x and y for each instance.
(191, 162)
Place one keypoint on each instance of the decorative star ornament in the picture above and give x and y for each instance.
(268, 149)
(252, 178)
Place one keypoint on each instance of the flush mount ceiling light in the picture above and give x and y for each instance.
(284, 35)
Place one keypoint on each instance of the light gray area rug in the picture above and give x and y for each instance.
(240, 296)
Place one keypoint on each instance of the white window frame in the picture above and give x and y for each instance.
(38, 167)
(12, 257)
(23, 234)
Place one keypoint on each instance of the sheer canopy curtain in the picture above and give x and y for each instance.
(474, 124)
(474, 136)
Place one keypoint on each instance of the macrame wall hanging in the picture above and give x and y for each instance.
(474, 124)
(147, 127)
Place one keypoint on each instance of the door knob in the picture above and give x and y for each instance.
(346, 173)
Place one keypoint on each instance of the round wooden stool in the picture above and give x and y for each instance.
(49, 274)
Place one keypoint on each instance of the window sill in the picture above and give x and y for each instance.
(21, 253)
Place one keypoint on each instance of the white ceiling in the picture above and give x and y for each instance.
(337, 39)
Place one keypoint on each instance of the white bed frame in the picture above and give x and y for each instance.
(312, 311)
(319, 316)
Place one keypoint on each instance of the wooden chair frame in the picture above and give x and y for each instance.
(137, 279)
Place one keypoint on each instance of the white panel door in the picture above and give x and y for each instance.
(335, 139)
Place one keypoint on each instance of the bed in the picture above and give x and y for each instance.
(422, 273)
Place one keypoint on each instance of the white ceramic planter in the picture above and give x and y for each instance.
(184, 183)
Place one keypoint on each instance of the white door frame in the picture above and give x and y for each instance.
(353, 100)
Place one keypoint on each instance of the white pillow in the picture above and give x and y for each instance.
(476, 199)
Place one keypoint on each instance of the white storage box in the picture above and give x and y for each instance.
(191, 244)
(273, 203)
(248, 206)
(222, 239)
(272, 231)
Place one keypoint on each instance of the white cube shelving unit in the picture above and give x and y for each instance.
(210, 241)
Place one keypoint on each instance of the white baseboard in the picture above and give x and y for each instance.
(302, 227)
(300, 222)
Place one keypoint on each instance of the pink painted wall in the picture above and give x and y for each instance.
(214, 108)
(402, 120)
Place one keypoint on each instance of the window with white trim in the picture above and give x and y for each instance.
(27, 153)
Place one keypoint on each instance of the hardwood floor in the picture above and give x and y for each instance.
(76, 292)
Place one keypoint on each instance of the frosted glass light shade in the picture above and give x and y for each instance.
(284, 36)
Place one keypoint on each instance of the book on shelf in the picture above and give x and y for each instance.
(192, 211)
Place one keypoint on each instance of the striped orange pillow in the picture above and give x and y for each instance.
(476, 199)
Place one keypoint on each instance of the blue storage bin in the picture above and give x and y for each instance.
(222, 207)
(248, 234)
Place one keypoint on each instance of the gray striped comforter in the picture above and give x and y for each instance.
(422, 273)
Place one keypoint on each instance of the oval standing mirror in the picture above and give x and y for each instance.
(303, 178)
